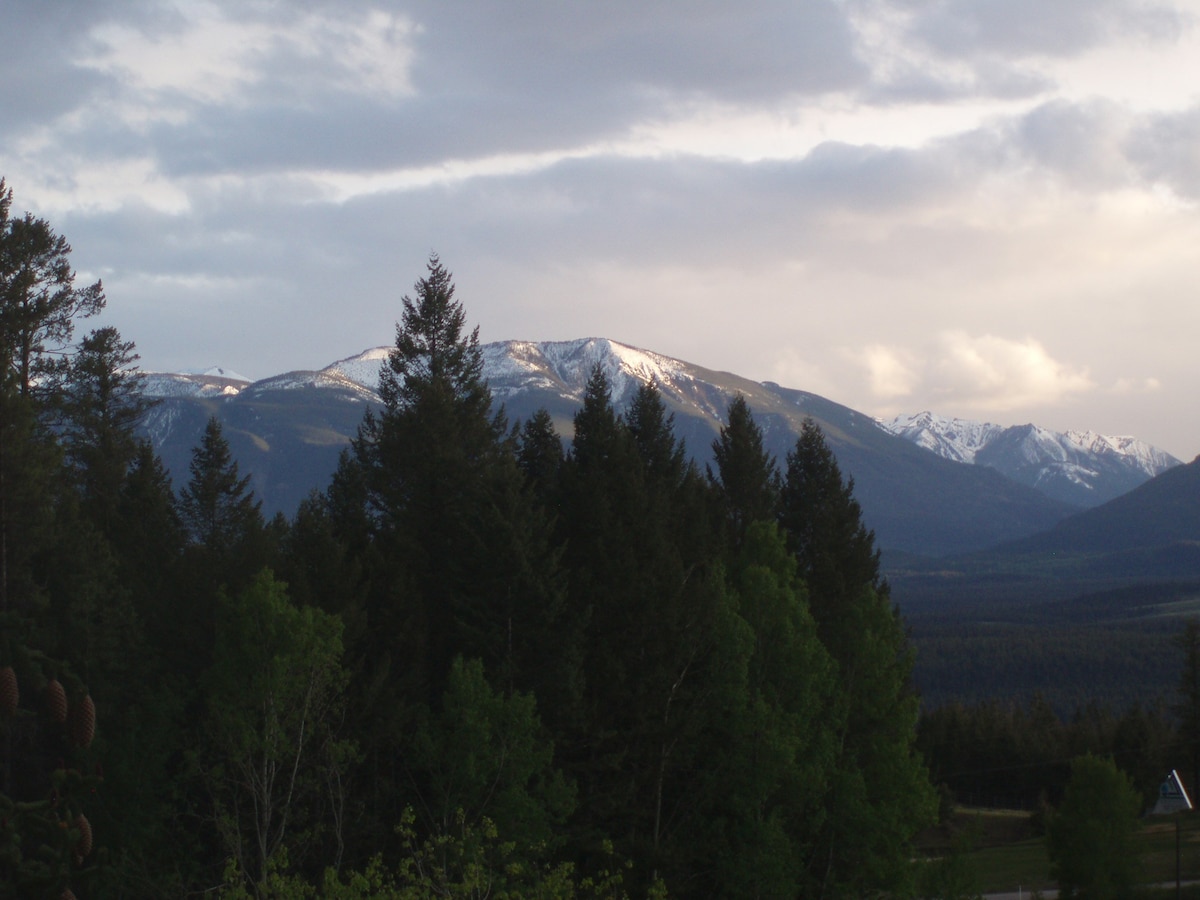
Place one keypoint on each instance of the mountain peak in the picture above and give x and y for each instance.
(1083, 468)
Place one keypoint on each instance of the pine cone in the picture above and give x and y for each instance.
(83, 722)
(10, 694)
(67, 894)
(56, 700)
(84, 847)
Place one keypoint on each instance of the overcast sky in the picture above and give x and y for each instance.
(986, 208)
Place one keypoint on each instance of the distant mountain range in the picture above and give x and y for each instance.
(288, 430)
(1078, 467)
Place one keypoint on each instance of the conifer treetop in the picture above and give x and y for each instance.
(431, 351)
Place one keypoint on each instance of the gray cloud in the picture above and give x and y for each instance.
(1022, 28)
(1165, 149)
(38, 75)
(1081, 143)
(485, 79)
(231, 171)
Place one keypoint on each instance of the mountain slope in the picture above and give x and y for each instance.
(287, 431)
(1084, 469)
(1163, 512)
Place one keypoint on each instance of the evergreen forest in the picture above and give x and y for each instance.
(487, 660)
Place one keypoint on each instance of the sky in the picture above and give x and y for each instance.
(983, 208)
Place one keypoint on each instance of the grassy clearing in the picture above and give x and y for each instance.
(1006, 852)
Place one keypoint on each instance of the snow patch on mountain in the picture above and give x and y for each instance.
(956, 439)
(362, 369)
(163, 385)
(1150, 458)
(1082, 467)
(325, 379)
(567, 365)
(509, 367)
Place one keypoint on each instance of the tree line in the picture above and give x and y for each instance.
(483, 657)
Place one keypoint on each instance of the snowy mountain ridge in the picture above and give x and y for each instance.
(510, 367)
(1081, 469)
(1068, 465)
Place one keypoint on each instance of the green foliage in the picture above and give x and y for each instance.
(879, 794)
(274, 757)
(835, 550)
(952, 875)
(640, 554)
(558, 659)
(781, 738)
(540, 454)
(486, 755)
(465, 546)
(472, 861)
(1090, 838)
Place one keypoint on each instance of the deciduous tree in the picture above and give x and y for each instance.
(273, 709)
(1091, 838)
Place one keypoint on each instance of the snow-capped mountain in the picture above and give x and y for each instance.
(513, 370)
(288, 431)
(1079, 467)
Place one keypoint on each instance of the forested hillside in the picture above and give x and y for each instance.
(480, 661)
(477, 657)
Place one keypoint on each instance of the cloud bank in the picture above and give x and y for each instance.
(983, 208)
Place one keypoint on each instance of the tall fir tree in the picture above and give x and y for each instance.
(782, 739)
(636, 526)
(40, 304)
(540, 456)
(101, 408)
(218, 507)
(823, 522)
(879, 793)
(47, 561)
(226, 547)
(458, 555)
(746, 477)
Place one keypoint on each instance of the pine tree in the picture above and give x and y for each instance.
(823, 522)
(56, 574)
(30, 486)
(540, 456)
(635, 524)
(879, 793)
(218, 507)
(227, 547)
(747, 478)
(447, 499)
(39, 302)
(149, 536)
(102, 406)
(782, 738)
(39, 308)
(456, 554)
